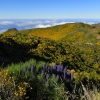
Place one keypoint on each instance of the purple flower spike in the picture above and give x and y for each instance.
(72, 75)
(24, 69)
(58, 68)
(54, 67)
(64, 69)
(61, 67)
(47, 76)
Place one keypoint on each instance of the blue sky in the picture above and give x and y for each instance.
(49, 9)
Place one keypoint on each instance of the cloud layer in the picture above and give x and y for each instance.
(41, 23)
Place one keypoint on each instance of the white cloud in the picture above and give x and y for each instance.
(42, 26)
(90, 23)
(31, 23)
(26, 23)
(49, 24)
(6, 22)
(61, 23)
(58, 23)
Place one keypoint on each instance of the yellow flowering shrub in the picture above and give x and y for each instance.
(7, 85)
(9, 88)
(21, 90)
(5, 77)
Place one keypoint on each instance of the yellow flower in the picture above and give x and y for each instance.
(25, 83)
(16, 94)
(72, 70)
(26, 97)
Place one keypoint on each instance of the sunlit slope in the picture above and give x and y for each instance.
(81, 32)
(72, 32)
(55, 32)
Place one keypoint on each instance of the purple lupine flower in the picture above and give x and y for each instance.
(47, 76)
(64, 73)
(61, 67)
(24, 69)
(64, 69)
(54, 67)
(58, 68)
(72, 75)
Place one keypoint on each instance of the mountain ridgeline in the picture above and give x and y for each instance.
(76, 45)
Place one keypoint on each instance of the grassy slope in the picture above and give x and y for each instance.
(70, 32)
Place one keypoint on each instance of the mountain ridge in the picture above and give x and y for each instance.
(60, 31)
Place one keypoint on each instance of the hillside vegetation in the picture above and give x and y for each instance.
(73, 32)
(76, 45)
(54, 42)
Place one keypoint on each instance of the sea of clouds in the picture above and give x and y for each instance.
(22, 24)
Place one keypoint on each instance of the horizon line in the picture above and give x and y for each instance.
(48, 18)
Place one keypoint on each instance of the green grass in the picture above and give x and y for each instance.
(20, 66)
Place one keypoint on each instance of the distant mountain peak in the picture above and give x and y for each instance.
(12, 29)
